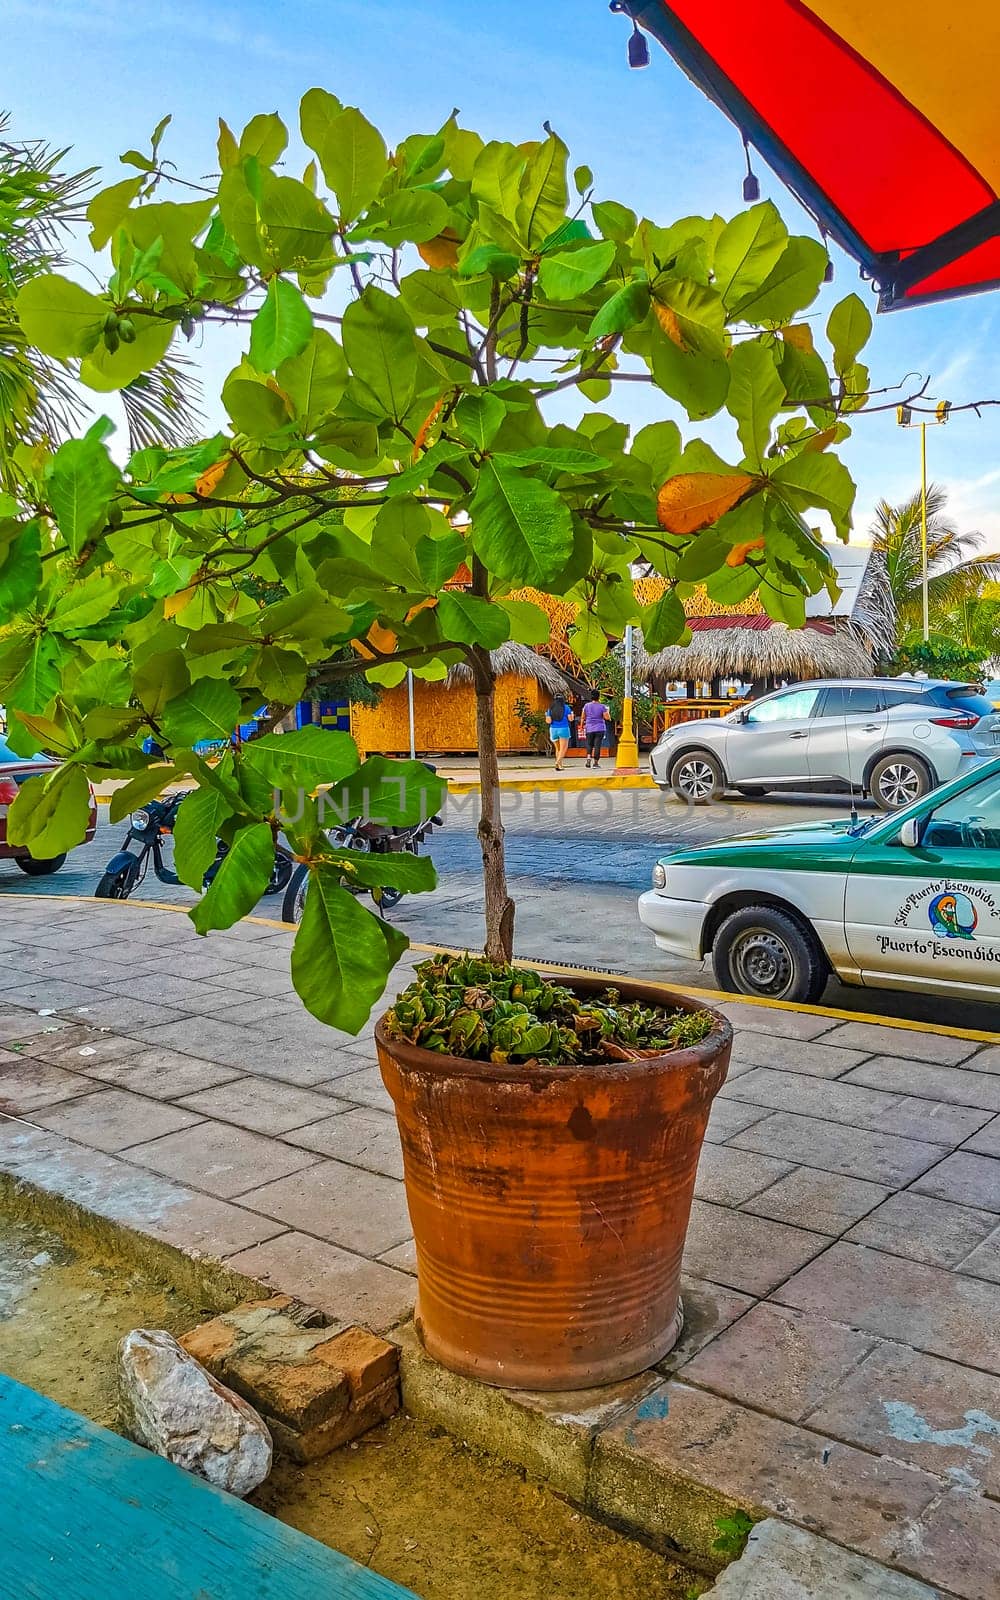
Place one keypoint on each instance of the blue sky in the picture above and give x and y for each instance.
(98, 75)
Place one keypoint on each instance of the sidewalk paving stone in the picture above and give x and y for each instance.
(966, 1179)
(957, 1085)
(263, 1105)
(26, 1086)
(838, 1147)
(785, 1563)
(729, 1117)
(825, 1201)
(164, 1074)
(820, 1060)
(363, 1086)
(945, 1313)
(745, 1252)
(362, 1138)
(222, 1160)
(957, 1544)
(984, 1261)
(779, 1360)
(730, 1176)
(359, 1210)
(987, 1140)
(776, 1022)
(113, 1119)
(344, 1285)
(859, 1107)
(931, 1413)
(912, 1043)
(925, 1229)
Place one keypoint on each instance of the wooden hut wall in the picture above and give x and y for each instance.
(444, 718)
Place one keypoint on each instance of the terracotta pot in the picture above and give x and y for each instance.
(550, 1204)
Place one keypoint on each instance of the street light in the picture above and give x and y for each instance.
(904, 416)
(627, 759)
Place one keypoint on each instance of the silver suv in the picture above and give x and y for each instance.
(894, 739)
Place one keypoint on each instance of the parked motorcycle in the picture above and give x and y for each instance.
(371, 838)
(148, 828)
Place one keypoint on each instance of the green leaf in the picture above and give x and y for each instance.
(381, 350)
(813, 479)
(107, 371)
(699, 381)
(587, 638)
(51, 813)
(196, 833)
(848, 330)
(30, 670)
(265, 136)
(790, 285)
(351, 152)
(395, 793)
(783, 602)
(280, 675)
(575, 272)
(553, 457)
(296, 228)
(522, 529)
(255, 409)
(730, 585)
(58, 317)
(410, 216)
(544, 195)
(663, 622)
(528, 622)
(315, 379)
(318, 110)
(210, 709)
(500, 264)
(756, 394)
(82, 604)
(479, 417)
(396, 870)
(282, 327)
(746, 250)
(108, 208)
(582, 179)
(658, 444)
(704, 555)
(146, 786)
(438, 559)
(342, 955)
(625, 309)
(21, 572)
(615, 221)
(240, 880)
(305, 759)
(469, 620)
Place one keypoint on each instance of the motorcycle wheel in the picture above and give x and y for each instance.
(116, 885)
(386, 898)
(293, 904)
(281, 873)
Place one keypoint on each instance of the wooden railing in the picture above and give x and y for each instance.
(675, 711)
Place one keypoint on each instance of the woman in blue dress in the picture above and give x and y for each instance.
(559, 716)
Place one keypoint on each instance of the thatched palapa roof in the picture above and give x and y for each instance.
(753, 647)
(516, 660)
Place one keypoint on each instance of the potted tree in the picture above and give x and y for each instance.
(405, 318)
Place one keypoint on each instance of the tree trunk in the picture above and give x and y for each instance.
(499, 906)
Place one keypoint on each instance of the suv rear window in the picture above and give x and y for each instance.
(905, 697)
(965, 696)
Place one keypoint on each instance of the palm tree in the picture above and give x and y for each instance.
(957, 572)
(40, 204)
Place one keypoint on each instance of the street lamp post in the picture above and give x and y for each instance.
(904, 416)
(627, 759)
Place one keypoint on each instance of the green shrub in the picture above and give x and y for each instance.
(466, 1006)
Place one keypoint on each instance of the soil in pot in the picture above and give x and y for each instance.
(550, 1138)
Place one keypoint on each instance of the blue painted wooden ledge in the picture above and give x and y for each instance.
(86, 1515)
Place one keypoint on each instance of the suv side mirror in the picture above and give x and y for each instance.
(909, 833)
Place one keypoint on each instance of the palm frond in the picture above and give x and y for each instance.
(163, 406)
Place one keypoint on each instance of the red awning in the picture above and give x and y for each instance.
(883, 116)
(757, 623)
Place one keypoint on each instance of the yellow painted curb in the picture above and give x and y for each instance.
(634, 780)
(977, 1035)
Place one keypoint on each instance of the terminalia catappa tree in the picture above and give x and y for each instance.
(406, 319)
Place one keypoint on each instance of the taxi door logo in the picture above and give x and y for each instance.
(953, 915)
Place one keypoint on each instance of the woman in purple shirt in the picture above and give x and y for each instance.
(595, 716)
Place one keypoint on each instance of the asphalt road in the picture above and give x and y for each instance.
(576, 862)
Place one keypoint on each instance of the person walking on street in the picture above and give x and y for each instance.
(595, 719)
(559, 716)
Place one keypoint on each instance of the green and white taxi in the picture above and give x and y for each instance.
(910, 901)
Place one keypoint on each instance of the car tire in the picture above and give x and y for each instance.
(39, 869)
(764, 952)
(751, 791)
(697, 778)
(897, 780)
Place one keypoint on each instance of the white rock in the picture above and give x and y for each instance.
(173, 1406)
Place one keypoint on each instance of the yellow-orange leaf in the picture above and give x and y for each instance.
(738, 554)
(380, 639)
(425, 427)
(799, 336)
(695, 500)
(176, 602)
(667, 318)
(178, 499)
(421, 605)
(211, 478)
(441, 251)
(819, 441)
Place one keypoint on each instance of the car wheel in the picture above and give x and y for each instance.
(697, 778)
(39, 869)
(764, 952)
(897, 781)
(751, 793)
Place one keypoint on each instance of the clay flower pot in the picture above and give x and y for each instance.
(550, 1204)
